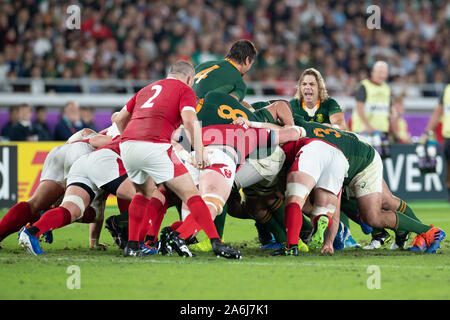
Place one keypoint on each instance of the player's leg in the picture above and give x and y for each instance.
(214, 189)
(46, 194)
(324, 209)
(76, 199)
(298, 186)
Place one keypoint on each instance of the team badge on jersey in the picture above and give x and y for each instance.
(319, 117)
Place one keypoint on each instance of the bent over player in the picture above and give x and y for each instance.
(148, 122)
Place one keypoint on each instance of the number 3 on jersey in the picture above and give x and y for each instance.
(319, 132)
(149, 103)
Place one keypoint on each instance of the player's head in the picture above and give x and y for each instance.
(183, 71)
(380, 72)
(242, 52)
(311, 86)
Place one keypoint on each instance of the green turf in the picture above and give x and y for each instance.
(108, 275)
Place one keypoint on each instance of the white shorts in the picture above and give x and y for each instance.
(58, 162)
(368, 181)
(143, 159)
(96, 169)
(323, 162)
(270, 166)
(220, 162)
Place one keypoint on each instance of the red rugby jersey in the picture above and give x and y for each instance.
(243, 139)
(156, 110)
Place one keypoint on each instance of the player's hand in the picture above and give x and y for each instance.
(96, 245)
(327, 248)
(201, 159)
(242, 121)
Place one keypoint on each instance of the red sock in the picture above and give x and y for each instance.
(200, 212)
(330, 220)
(88, 215)
(123, 205)
(17, 217)
(188, 228)
(176, 225)
(293, 219)
(53, 219)
(137, 209)
(154, 209)
(154, 228)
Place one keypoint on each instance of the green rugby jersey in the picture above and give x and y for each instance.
(219, 76)
(221, 108)
(358, 153)
(325, 109)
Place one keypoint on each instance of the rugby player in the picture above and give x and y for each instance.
(90, 179)
(52, 181)
(228, 146)
(147, 122)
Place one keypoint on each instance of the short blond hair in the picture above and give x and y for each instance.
(323, 94)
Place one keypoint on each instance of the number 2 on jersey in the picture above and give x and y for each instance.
(149, 103)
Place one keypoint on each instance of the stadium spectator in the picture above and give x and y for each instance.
(123, 37)
(13, 118)
(40, 124)
(69, 123)
(373, 99)
(87, 117)
(441, 112)
(398, 130)
(23, 129)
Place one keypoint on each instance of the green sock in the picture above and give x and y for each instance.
(406, 210)
(219, 221)
(377, 231)
(344, 219)
(407, 224)
(307, 227)
(271, 224)
(277, 210)
(122, 220)
(349, 206)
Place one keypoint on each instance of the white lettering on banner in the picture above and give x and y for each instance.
(434, 178)
(394, 173)
(412, 171)
(413, 183)
(4, 173)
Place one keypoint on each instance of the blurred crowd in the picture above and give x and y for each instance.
(31, 124)
(127, 39)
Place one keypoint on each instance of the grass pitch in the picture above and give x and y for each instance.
(348, 274)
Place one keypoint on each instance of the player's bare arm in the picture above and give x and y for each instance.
(194, 134)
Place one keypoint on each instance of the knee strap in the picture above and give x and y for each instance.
(317, 211)
(296, 189)
(214, 200)
(77, 200)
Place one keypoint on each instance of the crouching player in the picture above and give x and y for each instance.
(228, 147)
(92, 177)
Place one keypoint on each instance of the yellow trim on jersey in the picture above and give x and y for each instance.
(232, 62)
(308, 110)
